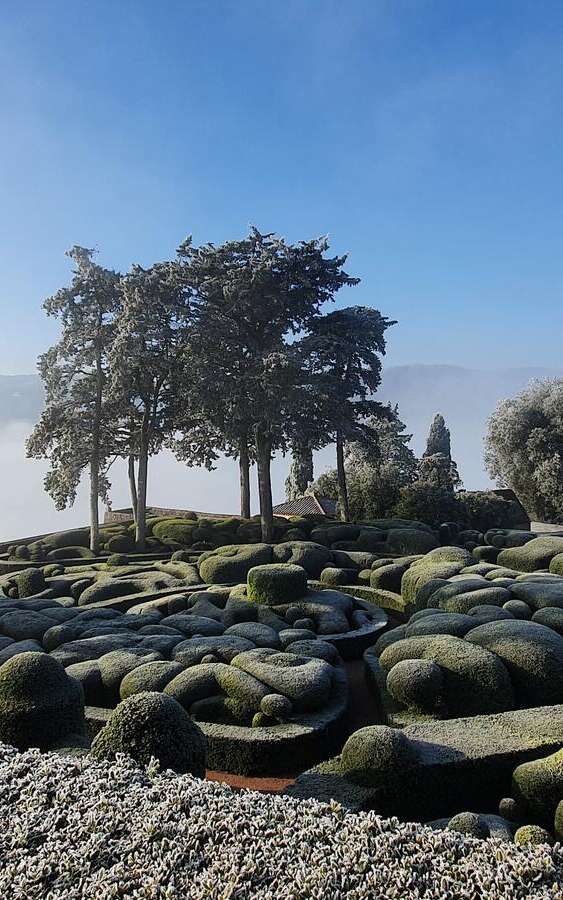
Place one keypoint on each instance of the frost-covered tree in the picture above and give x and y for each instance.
(377, 467)
(147, 386)
(74, 432)
(300, 473)
(437, 466)
(251, 295)
(343, 353)
(524, 448)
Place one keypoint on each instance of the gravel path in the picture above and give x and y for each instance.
(74, 828)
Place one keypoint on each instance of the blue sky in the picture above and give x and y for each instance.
(424, 136)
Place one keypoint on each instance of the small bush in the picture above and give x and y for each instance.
(276, 583)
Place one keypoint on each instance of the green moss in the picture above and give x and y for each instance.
(276, 583)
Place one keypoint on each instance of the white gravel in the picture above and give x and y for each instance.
(74, 828)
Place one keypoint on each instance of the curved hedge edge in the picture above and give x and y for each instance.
(265, 751)
(352, 644)
(124, 604)
(464, 763)
(385, 600)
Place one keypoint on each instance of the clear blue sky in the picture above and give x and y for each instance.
(424, 136)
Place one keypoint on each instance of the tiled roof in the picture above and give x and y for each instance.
(308, 505)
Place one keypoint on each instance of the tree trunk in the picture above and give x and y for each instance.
(132, 486)
(264, 458)
(95, 455)
(342, 486)
(141, 523)
(244, 467)
(94, 510)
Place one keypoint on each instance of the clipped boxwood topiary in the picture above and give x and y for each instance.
(538, 786)
(40, 705)
(276, 583)
(373, 753)
(231, 564)
(532, 834)
(30, 582)
(471, 824)
(149, 725)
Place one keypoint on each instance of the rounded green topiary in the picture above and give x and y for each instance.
(276, 706)
(231, 564)
(336, 576)
(373, 753)
(30, 582)
(40, 705)
(121, 543)
(276, 583)
(117, 559)
(538, 786)
(417, 683)
(471, 824)
(532, 834)
(149, 725)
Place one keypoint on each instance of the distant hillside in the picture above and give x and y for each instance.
(465, 397)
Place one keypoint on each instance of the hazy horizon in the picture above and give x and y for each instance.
(464, 396)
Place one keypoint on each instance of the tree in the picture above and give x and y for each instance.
(524, 448)
(250, 296)
(301, 470)
(342, 353)
(146, 385)
(437, 466)
(377, 467)
(74, 432)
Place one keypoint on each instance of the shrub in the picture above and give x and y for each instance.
(471, 824)
(40, 705)
(484, 509)
(121, 543)
(30, 582)
(336, 576)
(537, 786)
(410, 540)
(117, 559)
(312, 557)
(70, 553)
(373, 753)
(231, 564)
(532, 834)
(174, 531)
(151, 725)
(276, 583)
(417, 683)
(536, 554)
(427, 503)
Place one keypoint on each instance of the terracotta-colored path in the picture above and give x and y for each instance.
(362, 710)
